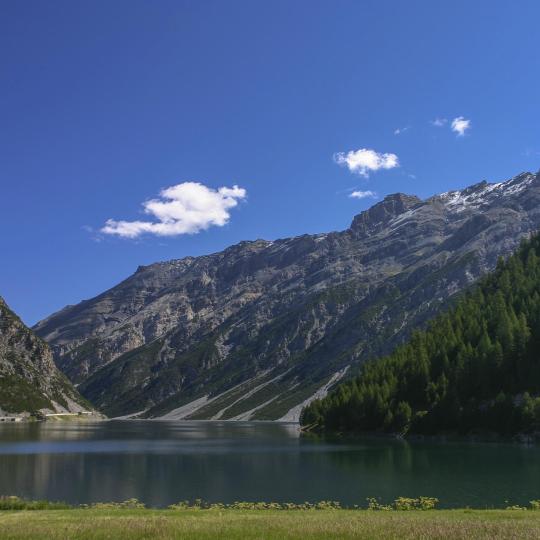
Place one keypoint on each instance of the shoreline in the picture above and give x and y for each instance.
(487, 437)
(14, 503)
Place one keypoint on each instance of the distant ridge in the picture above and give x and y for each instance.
(259, 329)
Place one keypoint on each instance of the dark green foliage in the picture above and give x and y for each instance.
(19, 395)
(475, 368)
(16, 503)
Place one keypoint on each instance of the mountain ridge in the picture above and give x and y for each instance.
(276, 320)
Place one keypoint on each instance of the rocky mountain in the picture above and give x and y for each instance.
(29, 379)
(257, 330)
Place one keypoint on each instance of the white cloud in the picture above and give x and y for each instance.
(460, 125)
(185, 208)
(364, 161)
(362, 194)
(439, 122)
(399, 131)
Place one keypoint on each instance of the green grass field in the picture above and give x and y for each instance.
(131, 524)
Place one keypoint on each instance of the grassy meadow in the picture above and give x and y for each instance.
(188, 523)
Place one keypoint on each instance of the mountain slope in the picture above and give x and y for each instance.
(260, 328)
(475, 367)
(29, 379)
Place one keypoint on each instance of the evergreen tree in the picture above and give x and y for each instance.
(476, 367)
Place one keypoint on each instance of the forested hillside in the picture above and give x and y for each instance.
(475, 368)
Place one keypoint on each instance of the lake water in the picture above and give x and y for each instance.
(164, 462)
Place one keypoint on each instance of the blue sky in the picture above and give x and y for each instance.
(104, 104)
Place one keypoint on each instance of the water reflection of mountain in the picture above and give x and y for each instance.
(162, 462)
(482, 473)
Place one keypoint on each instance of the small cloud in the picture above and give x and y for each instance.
(185, 208)
(438, 122)
(364, 161)
(399, 131)
(460, 125)
(412, 176)
(95, 236)
(363, 195)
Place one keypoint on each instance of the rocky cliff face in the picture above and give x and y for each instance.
(29, 379)
(256, 330)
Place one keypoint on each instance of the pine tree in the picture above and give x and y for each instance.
(476, 366)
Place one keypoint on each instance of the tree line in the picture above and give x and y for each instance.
(475, 368)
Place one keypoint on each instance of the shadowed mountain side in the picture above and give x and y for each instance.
(29, 380)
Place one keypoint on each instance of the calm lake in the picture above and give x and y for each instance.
(164, 462)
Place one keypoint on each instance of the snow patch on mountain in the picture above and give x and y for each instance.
(484, 193)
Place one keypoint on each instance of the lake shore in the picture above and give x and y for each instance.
(479, 437)
(52, 417)
(135, 524)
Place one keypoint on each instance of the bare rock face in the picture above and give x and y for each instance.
(30, 382)
(259, 328)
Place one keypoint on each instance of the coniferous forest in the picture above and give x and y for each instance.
(475, 369)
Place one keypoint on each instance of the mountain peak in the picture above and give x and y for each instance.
(484, 193)
(391, 206)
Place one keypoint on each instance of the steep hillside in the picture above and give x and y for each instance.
(256, 330)
(476, 368)
(29, 380)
